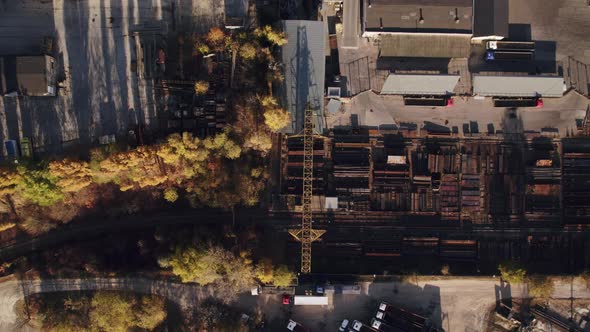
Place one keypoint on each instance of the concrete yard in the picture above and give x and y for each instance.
(375, 110)
(94, 45)
(454, 304)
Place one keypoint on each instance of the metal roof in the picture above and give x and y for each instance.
(490, 18)
(304, 64)
(518, 86)
(404, 16)
(419, 84)
(425, 46)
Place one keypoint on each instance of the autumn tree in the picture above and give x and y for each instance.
(194, 264)
(275, 117)
(38, 187)
(265, 271)
(248, 51)
(512, 272)
(283, 277)
(259, 141)
(279, 276)
(215, 38)
(273, 36)
(227, 273)
(201, 48)
(70, 175)
(150, 311)
(540, 286)
(111, 311)
(171, 195)
(201, 87)
(104, 311)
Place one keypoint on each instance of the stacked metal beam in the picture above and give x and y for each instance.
(576, 180)
(294, 166)
(351, 160)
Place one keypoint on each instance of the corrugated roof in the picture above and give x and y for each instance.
(518, 86)
(425, 46)
(404, 16)
(490, 18)
(304, 62)
(419, 84)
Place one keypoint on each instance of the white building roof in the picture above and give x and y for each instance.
(419, 84)
(518, 86)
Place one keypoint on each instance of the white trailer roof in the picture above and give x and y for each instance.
(310, 300)
(419, 84)
(518, 86)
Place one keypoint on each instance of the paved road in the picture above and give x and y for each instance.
(459, 304)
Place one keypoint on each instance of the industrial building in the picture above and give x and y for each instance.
(480, 19)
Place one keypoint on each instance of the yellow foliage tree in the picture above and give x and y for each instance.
(274, 37)
(171, 195)
(71, 176)
(259, 141)
(8, 182)
(276, 118)
(248, 51)
(264, 271)
(201, 87)
(215, 37)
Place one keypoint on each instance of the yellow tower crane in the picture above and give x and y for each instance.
(306, 234)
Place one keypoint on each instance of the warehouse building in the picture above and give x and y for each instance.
(480, 19)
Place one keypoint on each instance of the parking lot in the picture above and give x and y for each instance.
(94, 46)
(451, 303)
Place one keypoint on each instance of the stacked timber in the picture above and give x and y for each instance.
(391, 178)
(470, 194)
(351, 160)
(293, 175)
(576, 180)
(449, 195)
(458, 250)
(419, 245)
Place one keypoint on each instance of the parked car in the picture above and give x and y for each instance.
(296, 327)
(286, 299)
(344, 325)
